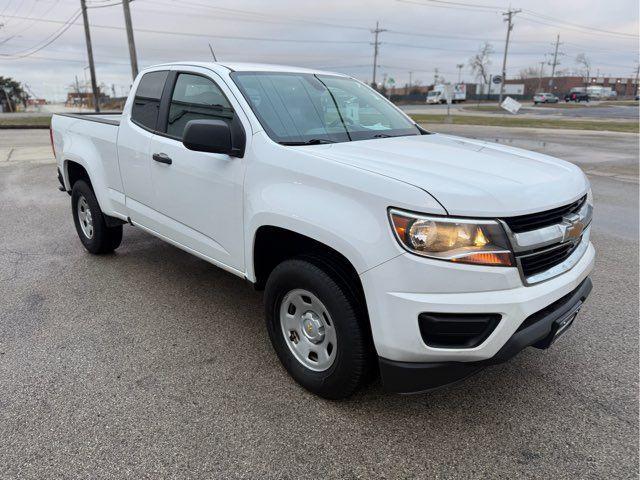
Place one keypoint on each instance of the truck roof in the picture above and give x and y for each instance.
(252, 67)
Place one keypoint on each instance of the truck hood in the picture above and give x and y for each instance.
(468, 177)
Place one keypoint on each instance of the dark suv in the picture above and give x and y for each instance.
(576, 97)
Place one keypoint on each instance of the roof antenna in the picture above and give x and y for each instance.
(212, 54)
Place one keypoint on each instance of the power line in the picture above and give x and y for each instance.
(48, 41)
(578, 30)
(258, 16)
(495, 8)
(104, 6)
(454, 5)
(576, 25)
(207, 35)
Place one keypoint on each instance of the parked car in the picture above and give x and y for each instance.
(380, 246)
(544, 98)
(576, 97)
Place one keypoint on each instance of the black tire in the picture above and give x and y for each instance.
(104, 239)
(353, 362)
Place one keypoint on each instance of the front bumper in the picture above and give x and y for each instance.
(395, 298)
(539, 331)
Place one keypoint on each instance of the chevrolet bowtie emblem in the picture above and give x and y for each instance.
(572, 227)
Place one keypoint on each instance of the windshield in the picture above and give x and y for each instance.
(302, 108)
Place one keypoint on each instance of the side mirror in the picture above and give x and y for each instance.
(214, 136)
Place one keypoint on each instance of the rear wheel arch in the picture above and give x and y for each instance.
(75, 171)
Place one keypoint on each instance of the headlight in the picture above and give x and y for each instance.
(480, 242)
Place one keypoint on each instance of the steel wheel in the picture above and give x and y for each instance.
(85, 218)
(308, 330)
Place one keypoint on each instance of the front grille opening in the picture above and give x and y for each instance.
(456, 330)
(534, 221)
(542, 261)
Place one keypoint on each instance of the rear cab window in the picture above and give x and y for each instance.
(146, 102)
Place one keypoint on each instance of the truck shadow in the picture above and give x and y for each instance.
(218, 311)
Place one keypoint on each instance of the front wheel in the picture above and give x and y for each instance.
(316, 329)
(96, 236)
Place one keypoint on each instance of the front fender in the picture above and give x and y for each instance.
(339, 206)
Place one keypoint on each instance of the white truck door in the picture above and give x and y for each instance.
(199, 194)
(134, 139)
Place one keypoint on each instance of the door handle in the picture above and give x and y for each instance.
(162, 158)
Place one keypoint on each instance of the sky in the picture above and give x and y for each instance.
(42, 41)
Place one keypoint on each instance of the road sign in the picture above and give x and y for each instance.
(510, 105)
(497, 79)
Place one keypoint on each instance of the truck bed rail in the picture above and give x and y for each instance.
(95, 117)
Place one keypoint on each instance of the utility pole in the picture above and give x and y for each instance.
(92, 67)
(540, 76)
(410, 79)
(555, 61)
(376, 44)
(460, 66)
(132, 43)
(637, 77)
(509, 14)
(435, 76)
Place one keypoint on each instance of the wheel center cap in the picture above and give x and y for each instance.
(312, 326)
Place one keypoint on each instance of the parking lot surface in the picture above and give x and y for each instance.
(151, 363)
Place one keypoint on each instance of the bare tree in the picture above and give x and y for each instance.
(481, 61)
(530, 72)
(585, 65)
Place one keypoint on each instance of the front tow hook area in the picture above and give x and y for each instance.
(539, 330)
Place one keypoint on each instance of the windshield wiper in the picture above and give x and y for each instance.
(382, 135)
(313, 141)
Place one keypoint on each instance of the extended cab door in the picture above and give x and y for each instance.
(197, 194)
(134, 140)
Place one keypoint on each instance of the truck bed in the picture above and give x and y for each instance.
(91, 140)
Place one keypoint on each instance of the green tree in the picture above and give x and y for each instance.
(12, 94)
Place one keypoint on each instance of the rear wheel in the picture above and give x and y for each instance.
(90, 222)
(316, 330)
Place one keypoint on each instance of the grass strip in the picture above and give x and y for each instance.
(595, 125)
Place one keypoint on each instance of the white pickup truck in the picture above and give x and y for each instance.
(383, 249)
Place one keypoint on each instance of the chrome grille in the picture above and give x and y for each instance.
(534, 263)
(534, 221)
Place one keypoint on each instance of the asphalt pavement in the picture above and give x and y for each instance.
(151, 363)
(618, 112)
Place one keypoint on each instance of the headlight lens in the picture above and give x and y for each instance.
(479, 242)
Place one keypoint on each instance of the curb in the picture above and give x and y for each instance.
(23, 127)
